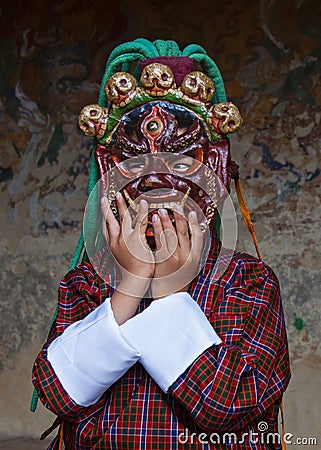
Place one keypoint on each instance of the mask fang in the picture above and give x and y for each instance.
(184, 200)
(131, 202)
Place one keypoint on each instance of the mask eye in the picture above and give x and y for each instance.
(132, 166)
(183, 165)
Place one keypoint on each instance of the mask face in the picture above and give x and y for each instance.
(162, 152)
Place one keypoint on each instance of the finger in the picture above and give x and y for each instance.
(110, 223)
(162, 247)
(181, 228)
(158, 232)
(123, 212)
(103, 200)
(142, 217)
(196, 235)
(104, 229)
(169, 232)
(104, 205)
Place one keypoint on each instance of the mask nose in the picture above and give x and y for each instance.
(155, 181)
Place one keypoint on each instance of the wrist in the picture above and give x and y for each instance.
(164, 286)
(127, 297)
(133, 285)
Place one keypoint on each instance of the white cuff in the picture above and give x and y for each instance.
(91, 355)
(170, 334)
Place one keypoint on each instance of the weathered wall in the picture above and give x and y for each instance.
(52, 59)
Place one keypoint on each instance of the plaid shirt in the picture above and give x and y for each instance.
(219, 402)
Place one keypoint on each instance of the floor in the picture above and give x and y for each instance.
(23, 444)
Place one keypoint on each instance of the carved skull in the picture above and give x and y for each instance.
(157, 79)
(197, 88)
(225, 118)
(120, 88)
(93, 120)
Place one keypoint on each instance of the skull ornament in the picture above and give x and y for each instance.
(225, 117)
(121, 88)
(197, 88)
(157, 79)
(93, 120)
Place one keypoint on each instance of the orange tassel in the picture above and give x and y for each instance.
(246, 215)
(61, 437)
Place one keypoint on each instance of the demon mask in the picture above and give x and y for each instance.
(161, 137)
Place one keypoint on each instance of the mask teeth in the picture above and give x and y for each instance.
(133, 205)
(184, 200)
(131, 202)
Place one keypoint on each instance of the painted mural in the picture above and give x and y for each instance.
(52, 59)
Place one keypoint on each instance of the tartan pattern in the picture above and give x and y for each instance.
(229, 388)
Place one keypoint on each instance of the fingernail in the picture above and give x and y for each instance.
(118, 195)
(162, 212)
(103, 201)
(179, 209)
(155, 218)
(193, 216)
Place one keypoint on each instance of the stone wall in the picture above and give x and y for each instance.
(52, 59)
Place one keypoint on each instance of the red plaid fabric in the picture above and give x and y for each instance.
(219, 402)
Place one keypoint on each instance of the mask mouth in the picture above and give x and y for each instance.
(160, 199)
(165, 199)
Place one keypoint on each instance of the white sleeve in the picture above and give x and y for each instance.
(91, 355)
(170, 334)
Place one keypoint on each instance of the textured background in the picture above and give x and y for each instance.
(53, 56)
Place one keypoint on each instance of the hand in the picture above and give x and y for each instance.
(178, 252)
(128, 243)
